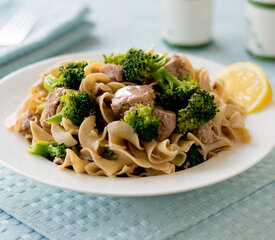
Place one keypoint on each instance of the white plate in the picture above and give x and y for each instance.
(13, 154)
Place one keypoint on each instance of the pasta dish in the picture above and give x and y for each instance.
(138, 113)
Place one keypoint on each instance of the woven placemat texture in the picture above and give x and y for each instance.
(250, 218)
(13, 229)
(59, 214)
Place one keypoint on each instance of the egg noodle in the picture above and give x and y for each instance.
(104, 130)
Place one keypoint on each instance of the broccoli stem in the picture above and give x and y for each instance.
(162, 60)
(42, 106)
(46, 149)
(163, 74)
(57, 118)
(50, 83)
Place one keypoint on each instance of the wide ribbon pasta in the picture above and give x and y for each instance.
(104, 131)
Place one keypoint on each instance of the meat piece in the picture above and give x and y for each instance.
(177, 67)
(167, 124)
(114, 72)
(126, 97)
(208, 133)
(25, 122)
(53, 102)
(58, 161)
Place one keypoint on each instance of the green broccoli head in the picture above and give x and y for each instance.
(48, 149)
(201, 108)
(193, 158)
(143, 122)
(175, 91)
(109, 154)
(70, 76)
(76, 106)
(114, 59)
(137, 65)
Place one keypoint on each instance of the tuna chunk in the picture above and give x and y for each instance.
(25, 122)
(208, 133)
(53, 102)
(167, 125)
(177, 67)
(58, 161)
(126, 97)
(114, 72)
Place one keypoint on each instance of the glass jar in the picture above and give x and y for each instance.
(187, 23)
(260, 28)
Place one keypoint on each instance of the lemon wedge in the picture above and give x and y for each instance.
(247, 84)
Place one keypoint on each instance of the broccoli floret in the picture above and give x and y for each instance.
(114, 59)
(109, 154)
(69, 77)
(175, 91)
(143, 122)
(137, 65)
(193, 158)
(48, 149)
(76, 106)
(200, 109)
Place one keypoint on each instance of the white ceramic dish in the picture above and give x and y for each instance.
(13, 154)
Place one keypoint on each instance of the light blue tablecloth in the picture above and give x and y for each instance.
(239, 208)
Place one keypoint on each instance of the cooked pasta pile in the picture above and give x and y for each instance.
(104, 144)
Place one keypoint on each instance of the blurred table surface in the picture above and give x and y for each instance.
(121, 24)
